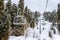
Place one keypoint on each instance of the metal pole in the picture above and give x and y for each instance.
(40, 27)
(46, 5)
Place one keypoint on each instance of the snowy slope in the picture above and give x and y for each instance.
(40, 32)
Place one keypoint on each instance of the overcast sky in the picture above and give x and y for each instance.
(39, 5)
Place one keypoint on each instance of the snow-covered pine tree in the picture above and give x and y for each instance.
(4, 25)
(26, 11)
(21, 6)
(58, 14)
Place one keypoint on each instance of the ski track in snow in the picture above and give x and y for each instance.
(33, 34)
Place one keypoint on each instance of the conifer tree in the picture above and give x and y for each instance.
(9, 12)
(32, 24)
(3, 23)
(58, 13)
(21, 6)
(8, 5)
(1, 8)
(14, 10)
(26, 11)
(28, 17)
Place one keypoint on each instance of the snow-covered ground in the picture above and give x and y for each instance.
(40, 32)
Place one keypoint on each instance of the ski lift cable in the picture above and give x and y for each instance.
(46, 5)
